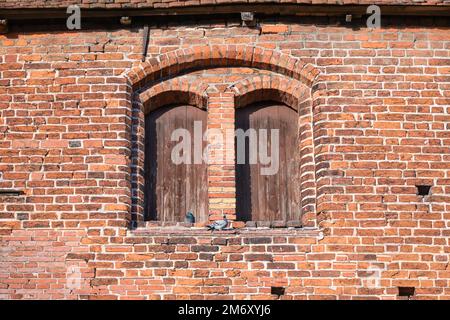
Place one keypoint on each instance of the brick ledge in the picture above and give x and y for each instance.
(191, 231)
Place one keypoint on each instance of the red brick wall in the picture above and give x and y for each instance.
(375, 123)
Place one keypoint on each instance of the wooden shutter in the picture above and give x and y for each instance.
(173, 189)
(269, 197)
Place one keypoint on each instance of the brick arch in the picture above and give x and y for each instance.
(296, 95)
(174, 91)
(174, 63)
(272, 87)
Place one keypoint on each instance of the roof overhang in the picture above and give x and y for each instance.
(227, 9)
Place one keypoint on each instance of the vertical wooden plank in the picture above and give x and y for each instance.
(258, 184)
(196, 173)
(201, 175)
(285, 116)
(166, 170)
(262, 122)
(179, 175)
(275, 192)
(243, 172)
(150, 165)
(285, 179)
(292, 168)
(189, 190)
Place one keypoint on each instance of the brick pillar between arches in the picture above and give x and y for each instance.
(221, 155)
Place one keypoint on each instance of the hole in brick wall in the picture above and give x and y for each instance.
(11, 192)
(22, 216)
(407, 292)
(74, 144)
(423, 190)
(279, 291)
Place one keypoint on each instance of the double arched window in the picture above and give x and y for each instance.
(265, 161)
(263, 96)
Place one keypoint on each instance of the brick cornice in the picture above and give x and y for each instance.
(166, 10)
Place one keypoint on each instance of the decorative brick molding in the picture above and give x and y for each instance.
(173, 63)
(175, 91)
(273, 87)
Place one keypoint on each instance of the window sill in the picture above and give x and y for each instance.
(201, 231)
(235, 224)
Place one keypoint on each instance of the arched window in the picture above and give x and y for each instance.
(268, 189)
(173, 188)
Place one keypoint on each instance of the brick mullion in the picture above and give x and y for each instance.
(221, 174)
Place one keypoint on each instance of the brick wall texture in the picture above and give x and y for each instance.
(374, 116)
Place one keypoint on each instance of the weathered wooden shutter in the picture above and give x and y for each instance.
(173, 189)
(269, 197)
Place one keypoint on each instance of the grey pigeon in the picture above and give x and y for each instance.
(218, 224)
(189, 217)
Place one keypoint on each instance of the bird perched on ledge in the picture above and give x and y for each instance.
(189, 217)
(218, 224)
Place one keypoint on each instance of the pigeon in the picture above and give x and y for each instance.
(218, 224)
(189, 217)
